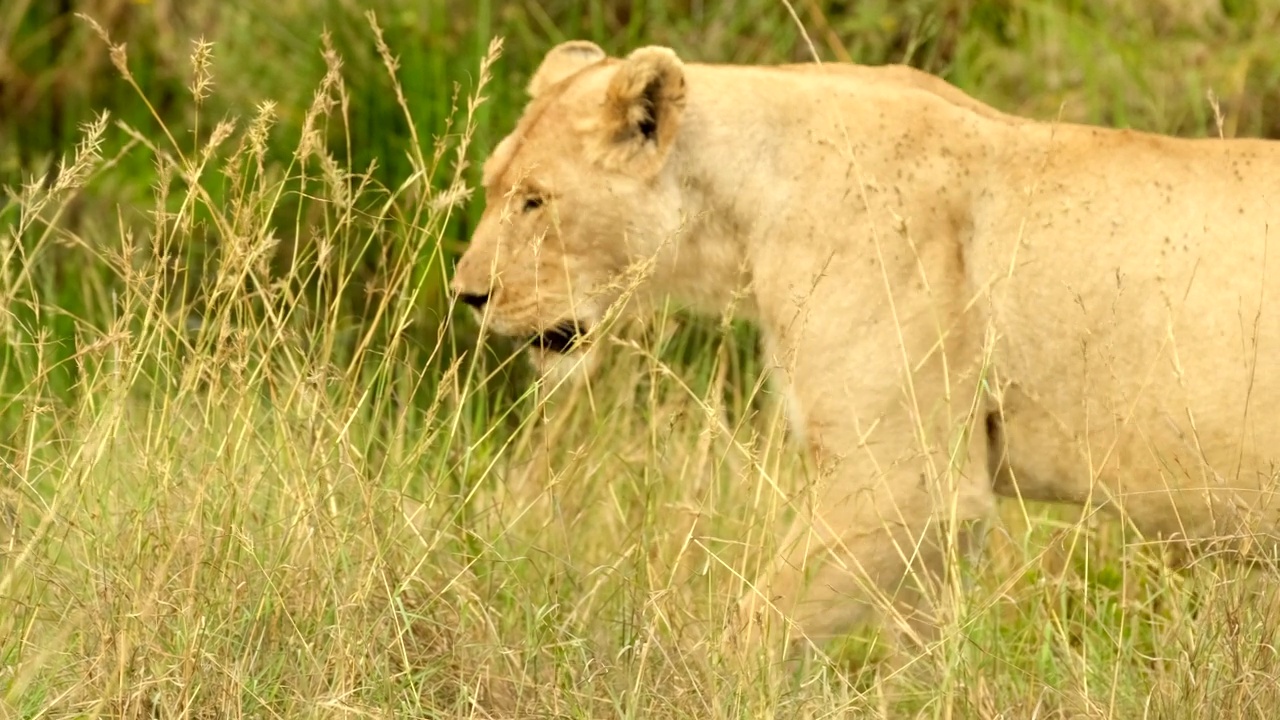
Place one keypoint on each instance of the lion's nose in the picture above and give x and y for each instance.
(475, 300)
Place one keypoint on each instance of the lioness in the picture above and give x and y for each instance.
(957, 303)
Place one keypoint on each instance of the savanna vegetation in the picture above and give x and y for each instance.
(253, 463)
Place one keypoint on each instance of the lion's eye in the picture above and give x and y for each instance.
(532, 203)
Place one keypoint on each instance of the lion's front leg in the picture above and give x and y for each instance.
(868, 552)
(895, 417)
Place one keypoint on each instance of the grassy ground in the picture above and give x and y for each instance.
(249, 471)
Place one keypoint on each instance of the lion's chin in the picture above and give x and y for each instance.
(559, 370)
(562, 354)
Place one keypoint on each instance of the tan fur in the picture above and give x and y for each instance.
(562, 62)
(957, 303)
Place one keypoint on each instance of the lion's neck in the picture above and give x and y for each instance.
(708, 268)
(783, 177)
(732, 198)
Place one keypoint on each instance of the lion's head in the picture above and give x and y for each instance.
(578, 197)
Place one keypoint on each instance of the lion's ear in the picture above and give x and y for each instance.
(562, 61)
(644, 103)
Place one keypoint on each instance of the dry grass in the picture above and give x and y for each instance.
(244, 509)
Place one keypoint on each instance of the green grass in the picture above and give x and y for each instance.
(251, 469)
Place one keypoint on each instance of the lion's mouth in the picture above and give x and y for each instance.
(560, 339)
